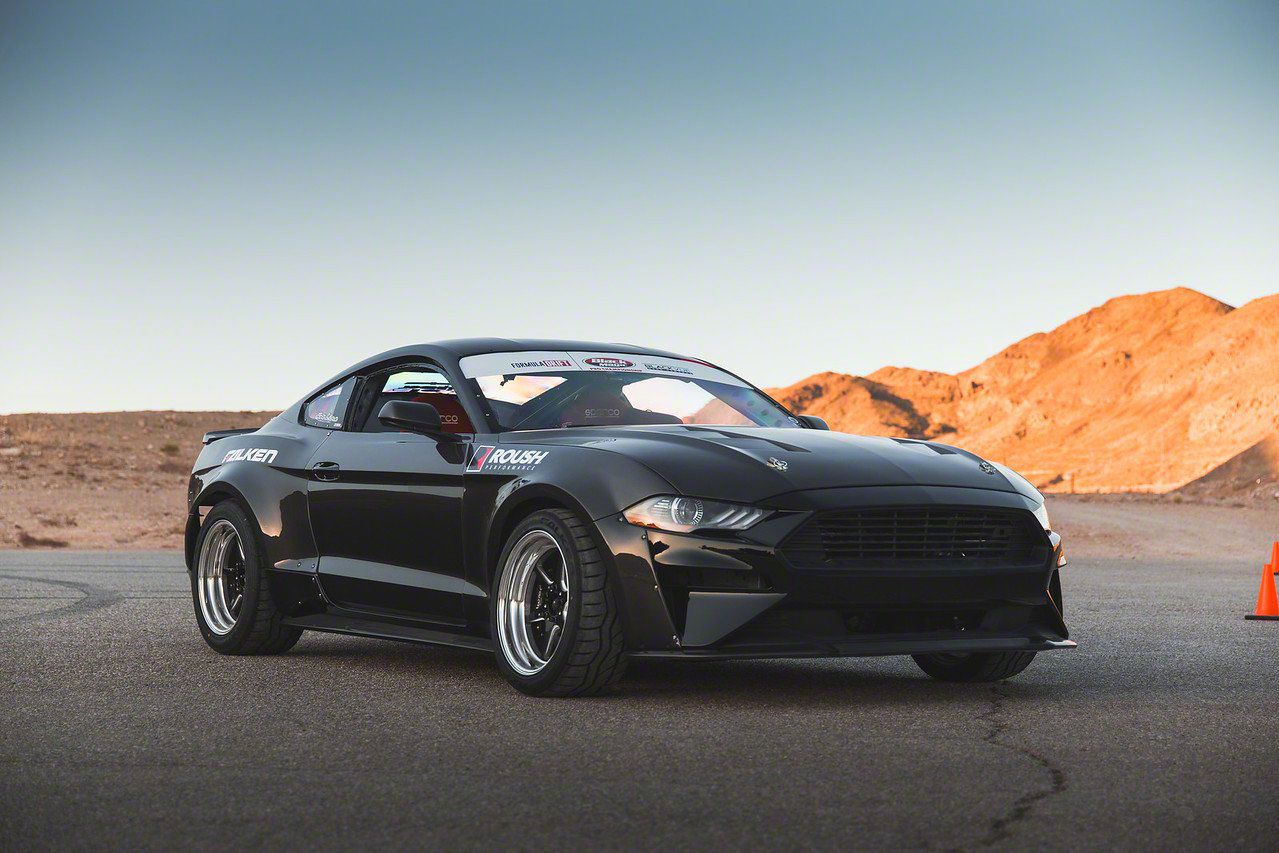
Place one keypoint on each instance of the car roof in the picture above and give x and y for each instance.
(448, 353)
(462, 347)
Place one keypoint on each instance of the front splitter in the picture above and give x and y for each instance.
(863, 648)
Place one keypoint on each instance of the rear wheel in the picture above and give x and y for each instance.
(233, 604)
(556, 625)
(974, 666)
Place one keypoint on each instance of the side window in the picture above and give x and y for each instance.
(328, 410)
(417, 384)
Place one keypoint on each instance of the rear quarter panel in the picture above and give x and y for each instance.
(266, 472)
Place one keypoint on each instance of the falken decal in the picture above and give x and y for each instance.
(251, 454)
(489, 458)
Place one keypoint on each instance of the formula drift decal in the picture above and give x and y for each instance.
(251, 454)
(490, 459)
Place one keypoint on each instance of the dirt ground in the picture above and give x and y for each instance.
(1143, 527)
(115, 480)
(118, 481)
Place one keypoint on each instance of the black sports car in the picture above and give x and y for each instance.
(568, 505)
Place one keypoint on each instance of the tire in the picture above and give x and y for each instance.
(587, 657)
(254, 626)
(974, 666)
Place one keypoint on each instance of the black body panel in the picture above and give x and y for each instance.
(386, 511)
(397, 534)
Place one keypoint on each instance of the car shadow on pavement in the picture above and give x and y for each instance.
(807, 682)
(760, 683)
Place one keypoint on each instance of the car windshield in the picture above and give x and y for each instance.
(553, 390)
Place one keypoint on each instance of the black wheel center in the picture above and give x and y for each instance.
(234, 581)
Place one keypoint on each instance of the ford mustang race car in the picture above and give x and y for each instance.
(569, 505)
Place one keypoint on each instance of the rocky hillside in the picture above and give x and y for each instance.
(1144, 393)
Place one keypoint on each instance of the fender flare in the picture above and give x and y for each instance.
(518, 499)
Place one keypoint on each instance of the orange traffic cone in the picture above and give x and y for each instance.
(1267, 600)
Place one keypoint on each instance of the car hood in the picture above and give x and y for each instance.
(733, 463)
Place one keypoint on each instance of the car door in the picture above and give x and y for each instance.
(386, 506)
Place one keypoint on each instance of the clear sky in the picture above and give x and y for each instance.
(217, 205)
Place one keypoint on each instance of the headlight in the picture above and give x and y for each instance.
(680, 514)
(1024, 487)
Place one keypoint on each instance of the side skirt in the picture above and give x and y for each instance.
(335, 624)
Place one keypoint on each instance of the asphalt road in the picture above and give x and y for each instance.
(122, 730)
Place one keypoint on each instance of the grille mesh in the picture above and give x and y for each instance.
(882, 536)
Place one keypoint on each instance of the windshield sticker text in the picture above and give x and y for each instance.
(602, 363)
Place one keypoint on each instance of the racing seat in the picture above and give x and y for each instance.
(606, 407)
(452, 416)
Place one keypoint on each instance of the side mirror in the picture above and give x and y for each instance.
(415, 417)
(814, 422)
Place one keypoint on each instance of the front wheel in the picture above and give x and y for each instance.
(974, 666)
(556, 624)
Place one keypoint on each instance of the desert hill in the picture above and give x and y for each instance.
(1143, 393)
(1249, 477)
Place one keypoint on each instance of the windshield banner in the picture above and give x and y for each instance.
(504, 363)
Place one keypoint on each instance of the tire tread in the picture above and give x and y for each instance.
(597, 658)
(980, 666)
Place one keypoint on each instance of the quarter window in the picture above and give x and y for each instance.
(328, 410)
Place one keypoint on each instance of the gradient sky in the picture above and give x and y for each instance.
(217, 205)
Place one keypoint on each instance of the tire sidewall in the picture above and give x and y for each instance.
(540, 681)
(247, 531)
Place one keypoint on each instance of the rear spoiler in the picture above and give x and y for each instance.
(214, 434)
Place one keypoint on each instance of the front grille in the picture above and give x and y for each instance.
(929, 535)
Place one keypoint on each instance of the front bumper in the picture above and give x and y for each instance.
(739, 597)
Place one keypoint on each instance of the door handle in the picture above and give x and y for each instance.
(327, 471)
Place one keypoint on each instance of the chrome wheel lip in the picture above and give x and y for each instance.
(526, 577)
(215, 577)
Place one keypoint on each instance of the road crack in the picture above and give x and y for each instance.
(1003, 826)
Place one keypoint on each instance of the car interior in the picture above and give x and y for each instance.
(417, 385)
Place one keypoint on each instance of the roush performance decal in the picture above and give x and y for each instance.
(251, 454)
(489, 458)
